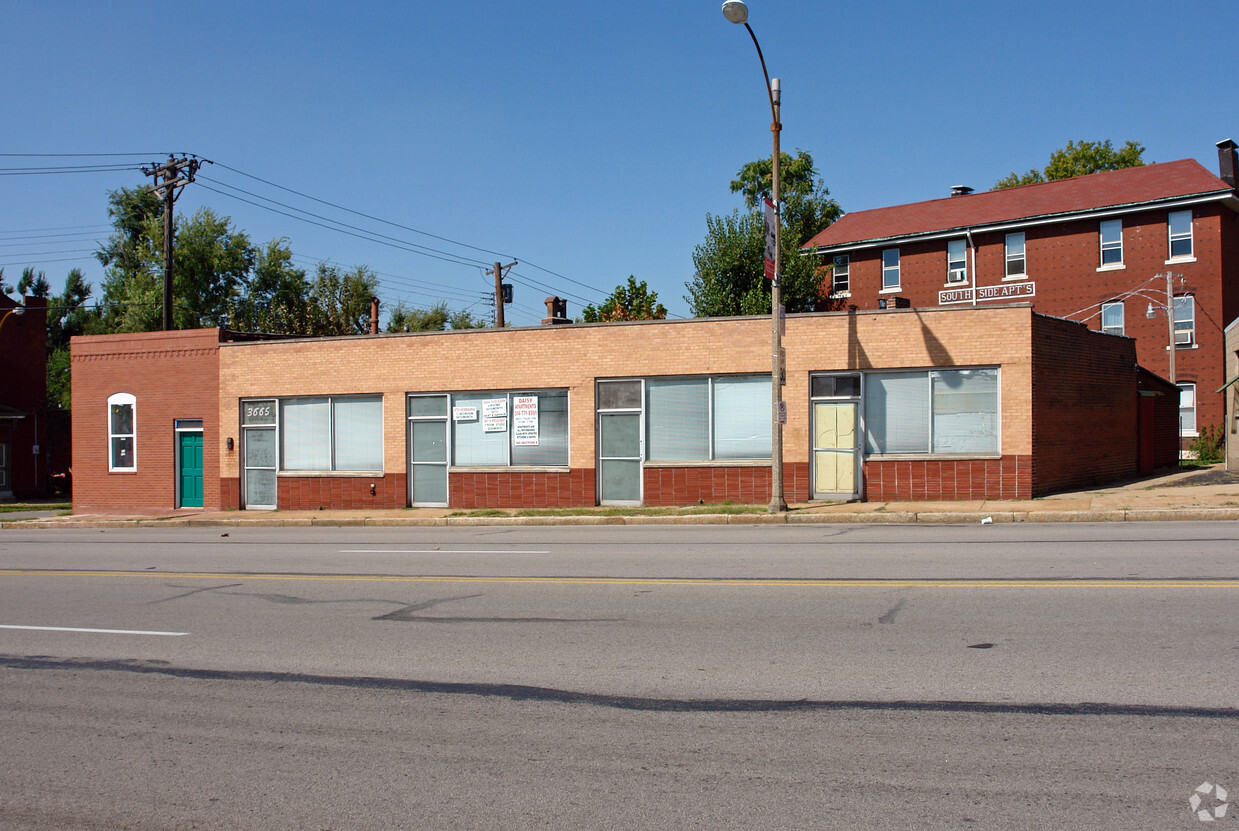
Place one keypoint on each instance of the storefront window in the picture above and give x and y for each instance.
(332, 434)
(518, 428)
(948, 411)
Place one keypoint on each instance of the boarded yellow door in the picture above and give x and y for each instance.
(834, 448)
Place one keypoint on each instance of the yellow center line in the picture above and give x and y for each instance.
(825, 583)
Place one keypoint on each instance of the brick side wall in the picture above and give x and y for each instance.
(173, 375)
(23, 386)
(1084, 407)
(719, 484)
(907, 480)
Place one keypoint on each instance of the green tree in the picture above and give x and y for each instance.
(340, 300)
(33, 284)
(1079, 160)
(729, 272)
(278, 300)
(435, 319)
(68, 314)
(631, 301)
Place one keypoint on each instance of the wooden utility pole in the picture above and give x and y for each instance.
(498, 271)
(176, 173)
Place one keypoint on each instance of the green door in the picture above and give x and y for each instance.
(189, 460)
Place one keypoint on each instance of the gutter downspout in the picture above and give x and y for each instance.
(972, 248)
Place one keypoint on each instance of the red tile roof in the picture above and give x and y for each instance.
(1112, 189)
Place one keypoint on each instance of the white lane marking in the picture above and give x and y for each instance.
(92, 631)
(437, 551)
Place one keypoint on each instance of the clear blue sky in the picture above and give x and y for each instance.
(587, 140)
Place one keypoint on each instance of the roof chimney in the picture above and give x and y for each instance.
(1226, 161)
(960, 190)
(374, 315)
(556, 311)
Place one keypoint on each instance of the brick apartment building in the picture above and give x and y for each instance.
(23, 398)
(983, 402)
(1095, 249)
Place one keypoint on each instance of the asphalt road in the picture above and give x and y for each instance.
(1022, 676)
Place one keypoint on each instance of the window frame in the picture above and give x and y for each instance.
(890, 269)
(1109, 246)
(332, 448)
(1189, 303)
(929, 427)
(123, 399)
(1188, 388)
(841, 288)
(1172, 237)
(711, 439)
(1010, 258)
(962, 268)
(1111, 329)
(454, 462)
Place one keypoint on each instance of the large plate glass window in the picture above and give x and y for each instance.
(947, 411)
(332, 433)
(708, 419)
(510, 428)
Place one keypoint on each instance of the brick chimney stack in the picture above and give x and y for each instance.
(1226, 161)
(556, 312)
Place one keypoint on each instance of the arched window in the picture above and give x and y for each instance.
(122, 432)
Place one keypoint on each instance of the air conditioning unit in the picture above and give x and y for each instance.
(1183, 337)
(957, 275)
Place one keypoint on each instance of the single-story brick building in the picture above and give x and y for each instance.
(908, 404)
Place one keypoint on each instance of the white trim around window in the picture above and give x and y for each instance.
(890, 269)
(122, 432)
(1179, 237)
(1017, 262)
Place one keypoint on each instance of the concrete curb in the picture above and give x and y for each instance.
(876, 517)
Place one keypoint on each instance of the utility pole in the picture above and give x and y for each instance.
(499, 271)
(176, 173)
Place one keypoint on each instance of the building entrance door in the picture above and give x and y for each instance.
(189, 465)
(619, 458)
(428, 456)
(836, 445)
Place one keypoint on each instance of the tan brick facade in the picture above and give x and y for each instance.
(1011, 339)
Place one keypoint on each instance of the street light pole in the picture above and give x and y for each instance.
(737, 12)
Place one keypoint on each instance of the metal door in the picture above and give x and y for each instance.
(619, 458)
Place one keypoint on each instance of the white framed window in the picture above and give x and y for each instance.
(957, 261)
(840, 276)
(332, 433)
(1014, 248)
(1111, 243)
(507, 428)
(707, 419)
(1185, 320)
(942, 411)
(1179, 227)
(1112, 317)
(122, 432)
(1187, 409)
(890, 269)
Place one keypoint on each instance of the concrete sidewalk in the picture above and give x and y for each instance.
(1197, 494)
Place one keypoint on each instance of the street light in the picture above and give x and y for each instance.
(18, 310)
(736, 12)
(1168, 308)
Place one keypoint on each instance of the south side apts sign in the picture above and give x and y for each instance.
(1013, 291)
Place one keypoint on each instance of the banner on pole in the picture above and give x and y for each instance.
(772, 231)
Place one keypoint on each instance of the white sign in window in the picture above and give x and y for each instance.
(525, 421)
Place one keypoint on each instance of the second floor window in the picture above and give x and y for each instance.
(1180, 223)
(839, 275)
(1015, 256)
(1112, 318)
(1184, 320)
(1112, 242)
(890, 268)
(956, 261)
